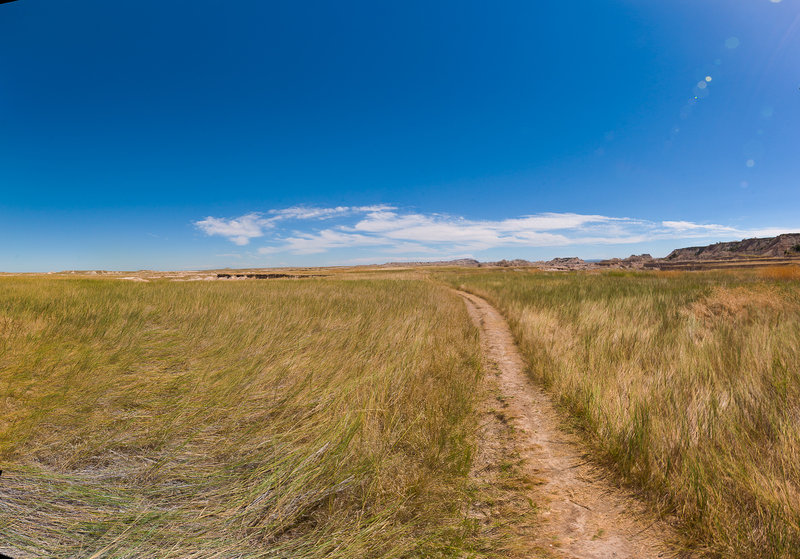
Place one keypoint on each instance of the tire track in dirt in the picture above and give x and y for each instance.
(581, 515)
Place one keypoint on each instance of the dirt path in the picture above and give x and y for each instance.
(581, 515)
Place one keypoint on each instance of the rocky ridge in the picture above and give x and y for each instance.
(783, 249)
(786, 245)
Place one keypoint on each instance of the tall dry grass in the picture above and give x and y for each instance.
(781, 272)
(687, 384)
(320, 418)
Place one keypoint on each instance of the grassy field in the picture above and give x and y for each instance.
(313, 418)
(335, 417)
(686, 384)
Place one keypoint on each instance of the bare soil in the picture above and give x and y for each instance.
(581, 513)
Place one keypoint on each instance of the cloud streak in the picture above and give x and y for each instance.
(239, 230)
(385, 229)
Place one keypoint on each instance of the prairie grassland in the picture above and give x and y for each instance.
(314, 418)
(687, 384)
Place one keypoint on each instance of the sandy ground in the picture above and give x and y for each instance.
(581, 514)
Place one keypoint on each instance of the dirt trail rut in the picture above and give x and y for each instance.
(582, 515)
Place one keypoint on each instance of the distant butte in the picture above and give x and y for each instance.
(768, 251)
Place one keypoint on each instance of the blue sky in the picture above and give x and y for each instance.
(198, 134)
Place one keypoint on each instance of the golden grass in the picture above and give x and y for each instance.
(314, 418)
(781, 272)
(686, 384)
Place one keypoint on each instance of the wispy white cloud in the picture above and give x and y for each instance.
(313, 243)
(385, 229)
(239, 230)
(689, 226)
(305, 212)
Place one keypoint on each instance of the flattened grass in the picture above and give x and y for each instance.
(321, 418)
(687, 384)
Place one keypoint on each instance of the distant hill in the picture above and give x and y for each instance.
(571, 263)
(781, 246)
(462, 262)
(769, 251)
